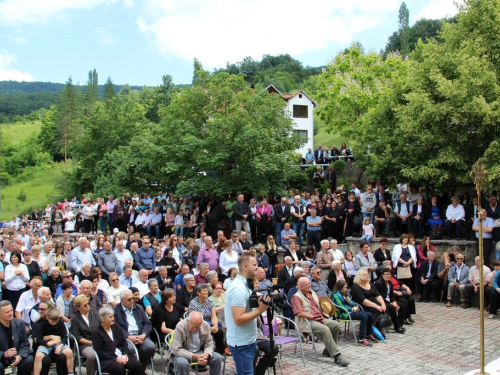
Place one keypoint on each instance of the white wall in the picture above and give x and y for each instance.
(303, 123)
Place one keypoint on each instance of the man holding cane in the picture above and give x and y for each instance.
(241, 320)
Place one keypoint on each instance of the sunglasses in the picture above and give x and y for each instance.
(67, 276)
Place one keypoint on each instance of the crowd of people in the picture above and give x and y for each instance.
(142, 268)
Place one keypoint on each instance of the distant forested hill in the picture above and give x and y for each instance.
(22, 98)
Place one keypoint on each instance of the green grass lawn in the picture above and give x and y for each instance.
(39, 189)
(327, 139)
(18, 131)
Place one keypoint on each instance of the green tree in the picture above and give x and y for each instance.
(92, 89)
(109, 90)
(355, 95)
(222, 137)
(404, 29)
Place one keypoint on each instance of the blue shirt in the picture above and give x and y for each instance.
(238, 295)
(487, 223)
(309, 156)
(286, 233)
(145, 258)
(316, 219)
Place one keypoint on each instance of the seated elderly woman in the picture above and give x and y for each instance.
(205, 306)
(84, 322)
(110, 343)
(336, 274)
(396, 310)
(166, 314)
(64, 300)
(153, 298)
(213, 279)
(53, 280)
(186, 293)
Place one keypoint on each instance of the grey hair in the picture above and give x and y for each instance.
(52, 270)
(104, 312)
(5, 303)
(333, 241)
(86, 265)
(297, 270)
(86, 282)
(288, 257)
(127, 267)
(124, 292)
(305, 264)
(162, 268)
(203, 266)
(206, 238)
(187, 277)
(211, 274)
(199, 287)
(297, 196)
(42, 290)
(151, 282)
(433, 253)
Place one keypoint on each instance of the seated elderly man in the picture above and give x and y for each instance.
(458, 277)
(136, 326)
(193, 343)
(318, 285)
(305, 305)
(428, 275)
(472, 288)
(114, 290)
(142, 283)
(285, 272)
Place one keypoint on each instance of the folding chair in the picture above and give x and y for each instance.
(137, 356)
(159, 346)
(281, 340)
(348, 323)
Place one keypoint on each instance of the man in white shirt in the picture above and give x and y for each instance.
(142, 283)
(127, 278)
(455, 217)
(28, 299)
(113, 292)
(122, 255)
(81, 255)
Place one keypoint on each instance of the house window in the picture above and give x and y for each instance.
(302, 135)
(300, 111)
(300, 96)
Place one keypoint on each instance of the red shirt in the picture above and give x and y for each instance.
(315, 310)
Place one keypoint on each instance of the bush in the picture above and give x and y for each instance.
(339, 166)
(344, 181)
(21, 196)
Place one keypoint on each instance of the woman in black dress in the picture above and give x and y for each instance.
(166, 314)
(382, 255)
(364, 293)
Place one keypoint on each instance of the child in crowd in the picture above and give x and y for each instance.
(368, 231)
(52, 335)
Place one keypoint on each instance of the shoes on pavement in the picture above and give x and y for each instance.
(411, 320)
(401, 330)
(491, 316)
(325, 353)
(448, 304)
(463, 305)
(365, 342)
(339, 360)
(372, 338)
(408, 323)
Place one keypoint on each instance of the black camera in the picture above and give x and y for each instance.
(278, 298)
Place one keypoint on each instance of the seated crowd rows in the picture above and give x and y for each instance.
(127, 283)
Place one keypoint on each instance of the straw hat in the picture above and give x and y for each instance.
(327, 306)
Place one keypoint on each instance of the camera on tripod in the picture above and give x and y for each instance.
(276, 298)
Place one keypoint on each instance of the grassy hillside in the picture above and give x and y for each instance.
(18, 131)
(39, 190)
(327, 139)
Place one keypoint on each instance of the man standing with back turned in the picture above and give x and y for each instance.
(241, 320)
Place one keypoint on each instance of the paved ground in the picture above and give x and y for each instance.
(443, 341)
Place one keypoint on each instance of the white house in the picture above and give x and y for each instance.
(300, 107)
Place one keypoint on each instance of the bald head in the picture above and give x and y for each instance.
(303, 281)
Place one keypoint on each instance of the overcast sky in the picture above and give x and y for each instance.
(137, 42)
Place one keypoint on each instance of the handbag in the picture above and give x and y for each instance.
(384, 321)
(404, 273)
